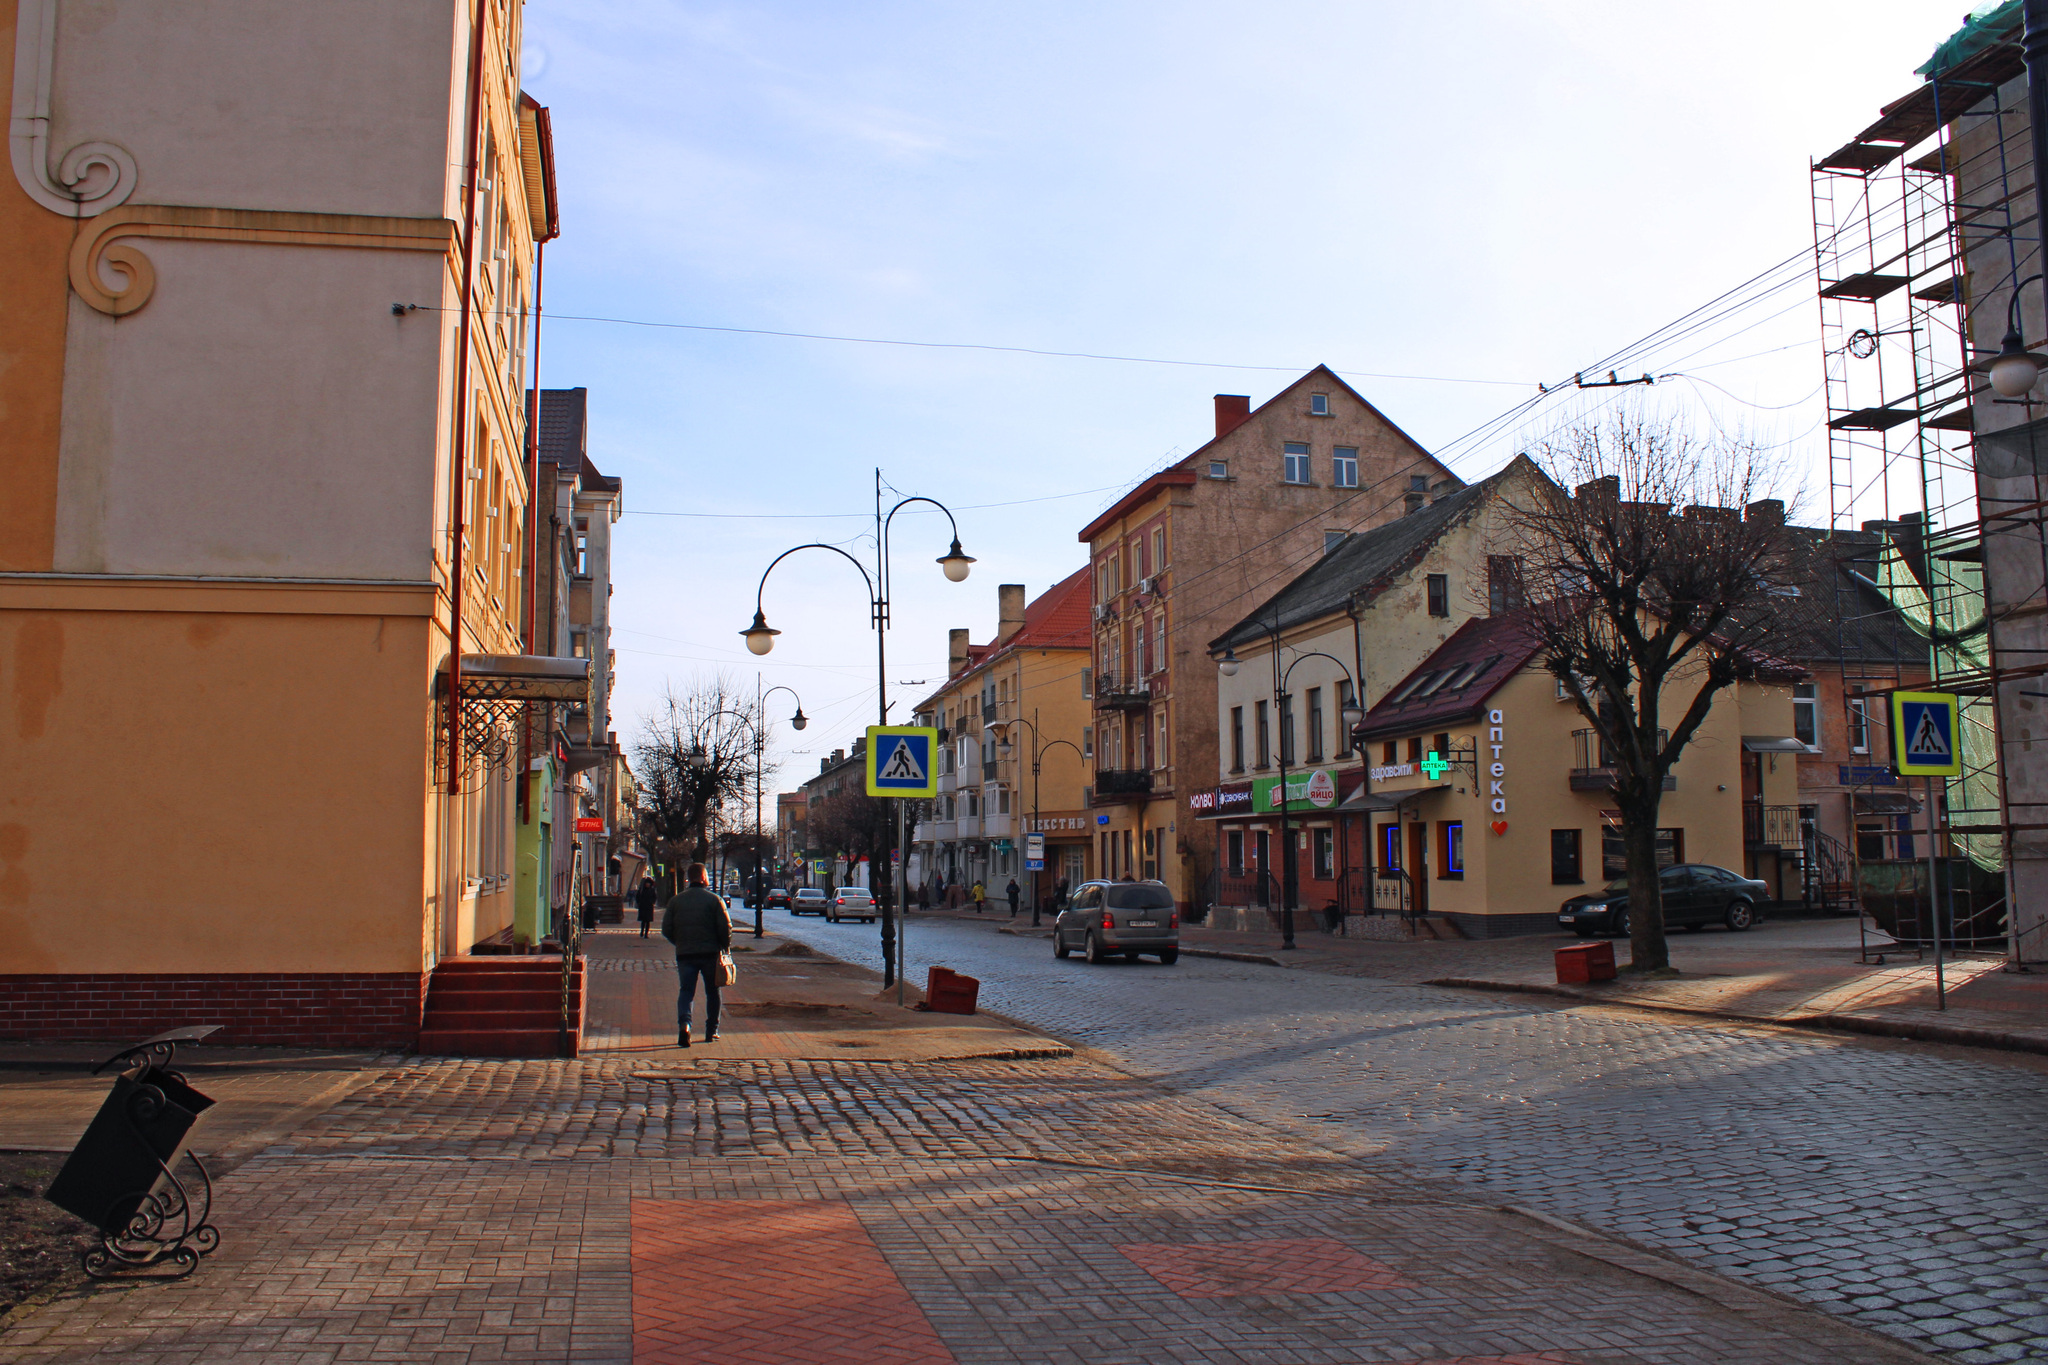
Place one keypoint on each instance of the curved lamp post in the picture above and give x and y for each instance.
(760, 637)
(697, 760)
(1039, 750)
(1351, 713)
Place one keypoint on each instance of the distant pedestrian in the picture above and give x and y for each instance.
(645, 898)
(980, 895)
(1013, 891)
(924, 895)
(697, 923)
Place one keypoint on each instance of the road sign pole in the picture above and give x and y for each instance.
(1934, 897)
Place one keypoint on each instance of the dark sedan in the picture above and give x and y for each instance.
(776, 899)
(1694, 895)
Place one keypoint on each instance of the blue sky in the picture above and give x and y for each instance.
(1487, 193)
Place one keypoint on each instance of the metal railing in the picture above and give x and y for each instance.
(1771, 826)
(1595, 762)
(1122, 782)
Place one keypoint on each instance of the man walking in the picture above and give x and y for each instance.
(697, 924)
(1013, 891)
(645, 898)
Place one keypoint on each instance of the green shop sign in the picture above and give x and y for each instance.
(1315, 789)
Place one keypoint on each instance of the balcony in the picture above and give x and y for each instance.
(941, 831)
(1595, 764)
(988, 712)
(970, 826)
(1115, 785)
(988, 770)
(997, 826)
(1122, 694)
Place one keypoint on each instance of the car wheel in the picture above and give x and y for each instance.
(1739, 916)
(1059, 945)
(1168, 956)
(1096, 957)
(1618, 925)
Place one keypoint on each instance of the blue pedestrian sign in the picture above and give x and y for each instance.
(901, 760)
(1925, 735)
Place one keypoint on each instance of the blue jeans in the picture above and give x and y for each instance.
(690, 968)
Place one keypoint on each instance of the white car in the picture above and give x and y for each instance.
(851, 902)
(809, 900)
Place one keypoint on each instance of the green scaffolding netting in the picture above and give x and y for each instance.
(1983, 27)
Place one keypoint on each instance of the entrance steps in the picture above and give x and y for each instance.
(501, 1007)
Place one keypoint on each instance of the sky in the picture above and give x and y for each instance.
(1449, 204)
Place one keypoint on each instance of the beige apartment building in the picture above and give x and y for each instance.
(267, 484)
(1182, 557)
(1016, 748)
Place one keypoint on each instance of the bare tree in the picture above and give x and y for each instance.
(1651, 588)
(852, 826)
(694, 756)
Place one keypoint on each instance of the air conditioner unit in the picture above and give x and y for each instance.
(1147, 586)
(1104, 612)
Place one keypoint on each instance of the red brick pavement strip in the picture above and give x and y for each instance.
(826, 1294)
(1272, 1265)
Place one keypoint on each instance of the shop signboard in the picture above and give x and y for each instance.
(590, 824)
(1313, 789)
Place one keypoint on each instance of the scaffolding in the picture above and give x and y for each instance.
(1923, 227)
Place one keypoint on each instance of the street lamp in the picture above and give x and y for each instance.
(2015, 369)
(1038, 753)
(760, 637)
(1350, 712)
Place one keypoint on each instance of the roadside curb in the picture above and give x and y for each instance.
(1950, 1034)
(1262, 959)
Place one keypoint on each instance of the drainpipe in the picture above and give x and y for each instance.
(461, 443)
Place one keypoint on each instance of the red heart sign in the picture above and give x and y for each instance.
(1500, 827)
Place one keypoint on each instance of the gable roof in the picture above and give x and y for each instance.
(1181, 473)
(564, 418)
(1366, 563)
(1453, 683)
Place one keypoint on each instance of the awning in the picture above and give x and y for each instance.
(1772, 744)
(1885, 803)
(1365, 800)
(524, 677)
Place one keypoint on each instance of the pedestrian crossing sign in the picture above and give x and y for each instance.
(1925, 735)
(901, 760)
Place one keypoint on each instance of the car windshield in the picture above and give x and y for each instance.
(1617, 887)
(1129, 897)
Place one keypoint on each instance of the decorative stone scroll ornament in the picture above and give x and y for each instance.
(99, 245)
(90, 178)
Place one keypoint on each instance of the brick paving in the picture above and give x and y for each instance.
(1273, 1265)
(828, 1293)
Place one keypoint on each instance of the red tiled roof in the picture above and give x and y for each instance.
(1061, 617)
(1500, 647)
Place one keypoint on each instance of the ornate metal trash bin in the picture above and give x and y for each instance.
(122, 1177)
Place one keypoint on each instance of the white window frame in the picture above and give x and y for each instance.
(1344, 467)
(1290, 451)
(1319, 405)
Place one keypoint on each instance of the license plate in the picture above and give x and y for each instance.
(1567, 919)
(1144, 924)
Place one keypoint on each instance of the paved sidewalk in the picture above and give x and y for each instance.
(788, 1002)
(1803, 972)
(997, 1212)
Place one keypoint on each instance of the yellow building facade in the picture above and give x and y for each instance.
(258, 493)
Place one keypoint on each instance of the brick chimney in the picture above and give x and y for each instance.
(956, 652)
(1231, 411)
(1770, 511)
(1009, 610)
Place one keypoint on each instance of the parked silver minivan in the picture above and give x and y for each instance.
(1104, 919)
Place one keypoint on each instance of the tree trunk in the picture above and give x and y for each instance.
(1647, 948)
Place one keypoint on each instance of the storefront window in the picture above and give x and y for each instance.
(1325, 850)
(1233, 844)
(1390, 850)
(1453, 851)
(1614, 854)
(1564, 857)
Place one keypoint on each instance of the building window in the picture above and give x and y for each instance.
(1319, 405)
(1415, 749)
(1503, 584)
(1859, 725)
(1087, 683)
(1441, 747)
(1439, 594)
(1614, 853)
(1237, 739)
(1325, 854)
(1390, 850)
(1002, 800)
(1160, 755)
(1806, 715)
(1233, 844)
(1140, 655)
(1158, 549)
(1451, 851)
(1387, 751)
(1287, 749)
(1344, 732)
(1315, 725)
(1219, 469)
(1294, 456)
(1159, 640)
(1332, 539)
(1344, 467)
(1087, 741)
(1418, 494)
(1262, 738)
(1564, 857)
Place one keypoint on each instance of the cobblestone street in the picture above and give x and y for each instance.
(1871, 1179)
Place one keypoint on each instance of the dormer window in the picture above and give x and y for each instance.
(1319, 405)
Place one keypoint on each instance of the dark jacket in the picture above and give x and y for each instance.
(696, 922)
(645, 898)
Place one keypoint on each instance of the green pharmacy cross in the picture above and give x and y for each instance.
(1434, 766)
